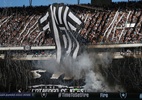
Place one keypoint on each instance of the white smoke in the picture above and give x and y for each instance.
(92, 82)
(85, 66)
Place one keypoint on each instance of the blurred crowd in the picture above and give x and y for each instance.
(115, 24)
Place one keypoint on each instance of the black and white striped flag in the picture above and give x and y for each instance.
(65, 26)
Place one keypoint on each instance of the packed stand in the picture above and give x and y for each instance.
(20, 28)
(116, 24)
(113, 25)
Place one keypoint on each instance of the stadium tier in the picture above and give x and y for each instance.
(19, 26)
(104, 28)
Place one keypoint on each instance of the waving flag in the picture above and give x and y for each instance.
(65, 26)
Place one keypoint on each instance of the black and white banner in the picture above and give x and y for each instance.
(65, 27)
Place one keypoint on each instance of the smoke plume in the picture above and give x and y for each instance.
(87, 66)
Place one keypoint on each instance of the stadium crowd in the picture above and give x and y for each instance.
(115, 24)
(103, 25)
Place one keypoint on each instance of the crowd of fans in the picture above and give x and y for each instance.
(119, 23)
(112, 25)
(19, 25)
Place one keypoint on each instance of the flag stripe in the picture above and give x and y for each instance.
(44, 18)
(59, 15)
(75, 46)
(65, 17)
(72, 16)
(69, 43)
(65, 41)
(76, 49)
(46, 27)
(55, 15)
(71, 26)
(69, 38)
(58, 57)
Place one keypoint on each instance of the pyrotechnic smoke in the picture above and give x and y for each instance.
(87, 66)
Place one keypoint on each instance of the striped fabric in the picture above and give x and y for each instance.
(65, 26)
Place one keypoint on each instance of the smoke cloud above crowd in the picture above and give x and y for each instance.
(87, 66)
